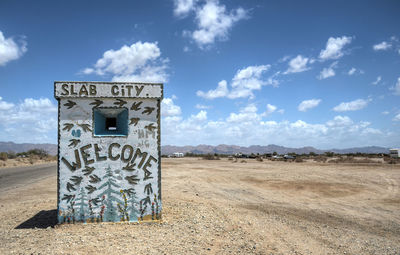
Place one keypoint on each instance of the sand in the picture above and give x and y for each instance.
(221, 207)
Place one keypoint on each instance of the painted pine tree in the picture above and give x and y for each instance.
(111, 196)
(82, 205)
(133, 211)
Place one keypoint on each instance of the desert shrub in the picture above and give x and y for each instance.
(210, 157)
(298, 160)
(3, 156)
(259, 159)
(243, 161)
(320, 158)
(353, 160)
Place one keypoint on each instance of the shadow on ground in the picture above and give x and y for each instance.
(42, 219)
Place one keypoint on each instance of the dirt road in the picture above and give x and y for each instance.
(15, 177)
(221, 207)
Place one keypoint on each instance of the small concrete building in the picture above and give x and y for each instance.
(394, 153)
(109, 157)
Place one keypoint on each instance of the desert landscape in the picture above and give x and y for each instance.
(227, 207)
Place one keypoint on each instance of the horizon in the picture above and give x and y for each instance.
(310, 74)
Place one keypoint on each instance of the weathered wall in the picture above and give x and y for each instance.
(109, 178)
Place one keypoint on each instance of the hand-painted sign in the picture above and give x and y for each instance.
(109, 165)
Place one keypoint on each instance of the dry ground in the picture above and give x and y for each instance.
(221, 207)
(24, 162)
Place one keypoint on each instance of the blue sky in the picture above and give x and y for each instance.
(292, 73)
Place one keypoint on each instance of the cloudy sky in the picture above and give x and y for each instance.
(292, 73)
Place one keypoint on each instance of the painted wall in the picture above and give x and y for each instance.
(109, 178)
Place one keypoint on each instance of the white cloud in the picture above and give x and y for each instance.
(220, 91)
(10, 50)
(351, 106)
(334, 48)
(202, 107)
(378, 79)
(352, 71)
(397, 117)
(297, 65)
(213, 21)
(4, 106)
(183, 7)
(247, 127)
(385, 112)
(396, 88)
(382, 46)
(140, 62)
(168, 108)
(32, 120)
(243, 84)
(328, 72)
(270, 109)
(308, 104)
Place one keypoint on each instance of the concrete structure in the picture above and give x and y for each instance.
(394, 153)
(109, 157)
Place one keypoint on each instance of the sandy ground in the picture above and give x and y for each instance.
(23, 162)
(221, 207)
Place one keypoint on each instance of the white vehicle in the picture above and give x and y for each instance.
(394, 153)
(177, 155)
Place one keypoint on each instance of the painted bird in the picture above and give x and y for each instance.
(85, 127)
(74, 142)
(94, 178)
(148, 189)
(88, 170)
(136, 106)
(70, 104)
(120, 102)
(68, 197)
(70, 187)
(76, 179)
(68, 126)
(132, 179)
(148, 110)
(96, 103)
(129, 167)
(90, 189)
(134, 121)
(150, 127)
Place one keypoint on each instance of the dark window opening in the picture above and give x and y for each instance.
(111, 124)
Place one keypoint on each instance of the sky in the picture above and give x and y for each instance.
(292, 73)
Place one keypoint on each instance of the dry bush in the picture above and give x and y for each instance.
(210, 157)
(33, 159)
(353, 160)
(243, 161)
(259, 159)
(320, 158)
(3, 156)
(298, 160)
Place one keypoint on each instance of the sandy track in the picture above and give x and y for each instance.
(220, 207)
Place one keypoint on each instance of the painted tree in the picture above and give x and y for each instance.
(111, 196)
(82, 205)
(133, 211)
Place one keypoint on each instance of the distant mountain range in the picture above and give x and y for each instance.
(204, 149)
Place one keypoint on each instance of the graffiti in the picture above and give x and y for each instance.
(109, 178)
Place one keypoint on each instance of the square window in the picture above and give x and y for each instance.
(110, 121)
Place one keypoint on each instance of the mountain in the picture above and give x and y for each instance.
(21, 147)
(204, 149)
(232, 149)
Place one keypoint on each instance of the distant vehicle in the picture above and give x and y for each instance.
(395, 153)
(176, 155)
(288, 157)
(276, 157)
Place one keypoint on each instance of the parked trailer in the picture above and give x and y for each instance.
(395, 153)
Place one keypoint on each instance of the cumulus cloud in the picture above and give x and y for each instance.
(297, 65)
(243, 84)
(247, 127)
(334, 47)
(270, 109)
(382, 46)
(140, 62)
(397, 117)
(308, 104)
(351, 71)
(396, 88)
(168, 108)
(213, 20)
(32, 120)
(10, 49)
(351, 106)
(183, 7)
(378, 79)
(328, 72)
